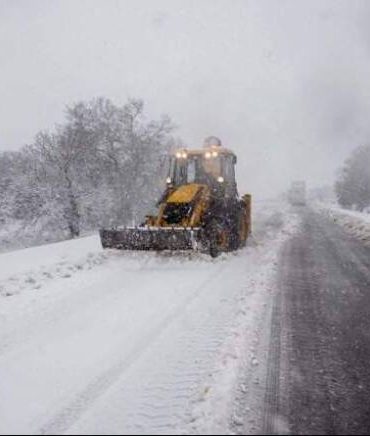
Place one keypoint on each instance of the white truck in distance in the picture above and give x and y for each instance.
(297, 193)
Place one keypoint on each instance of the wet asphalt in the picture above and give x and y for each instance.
(319, 365)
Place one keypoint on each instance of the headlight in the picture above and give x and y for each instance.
(181, 155)
(208, 155)
(168, 180)
(220, 180)
(214, 154)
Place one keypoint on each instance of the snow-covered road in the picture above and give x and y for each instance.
(105, 342)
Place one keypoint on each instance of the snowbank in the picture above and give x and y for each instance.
(355, 223)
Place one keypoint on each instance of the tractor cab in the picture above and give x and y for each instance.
(212, 166)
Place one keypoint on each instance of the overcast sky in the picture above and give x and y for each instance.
(284, 83)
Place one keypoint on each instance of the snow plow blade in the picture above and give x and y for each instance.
(151, 239)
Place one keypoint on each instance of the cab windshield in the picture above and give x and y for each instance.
(202, 170)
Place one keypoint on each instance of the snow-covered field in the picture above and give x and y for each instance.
(355, 223)
(108, 342)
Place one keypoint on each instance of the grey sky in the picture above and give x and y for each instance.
(284, 83)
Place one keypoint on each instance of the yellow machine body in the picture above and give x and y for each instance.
(200, 208)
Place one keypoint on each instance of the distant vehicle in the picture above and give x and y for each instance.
(297, 194)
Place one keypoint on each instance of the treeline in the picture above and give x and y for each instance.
(102, 167)
(353, 183)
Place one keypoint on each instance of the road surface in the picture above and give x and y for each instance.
(319, 366)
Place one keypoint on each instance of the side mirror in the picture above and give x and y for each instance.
(235, 160)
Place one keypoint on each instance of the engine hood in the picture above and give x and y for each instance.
(185, 193)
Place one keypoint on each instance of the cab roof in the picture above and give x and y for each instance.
(202, 151)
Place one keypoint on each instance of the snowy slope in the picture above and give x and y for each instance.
(94, 342)
(355, 223)
(32, 268)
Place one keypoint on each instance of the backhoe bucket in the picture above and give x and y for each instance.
(151, 239)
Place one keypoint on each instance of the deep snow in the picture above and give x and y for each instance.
(110, 342)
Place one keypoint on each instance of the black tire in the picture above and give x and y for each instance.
(212, 232)
(235, 242)
(214, 249)
(234, 227)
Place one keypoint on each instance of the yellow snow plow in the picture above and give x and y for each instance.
(199, 210)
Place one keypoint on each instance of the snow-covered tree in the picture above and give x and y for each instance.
(102, 167)
(353, 184)
(125, 154)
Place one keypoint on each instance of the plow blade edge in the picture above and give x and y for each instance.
(148, 239)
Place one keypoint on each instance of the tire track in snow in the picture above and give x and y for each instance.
(65, 419)
(272, 399)
(183, 388)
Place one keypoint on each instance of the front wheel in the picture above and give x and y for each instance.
(213, 235)
(235, 240)
(214, 249)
